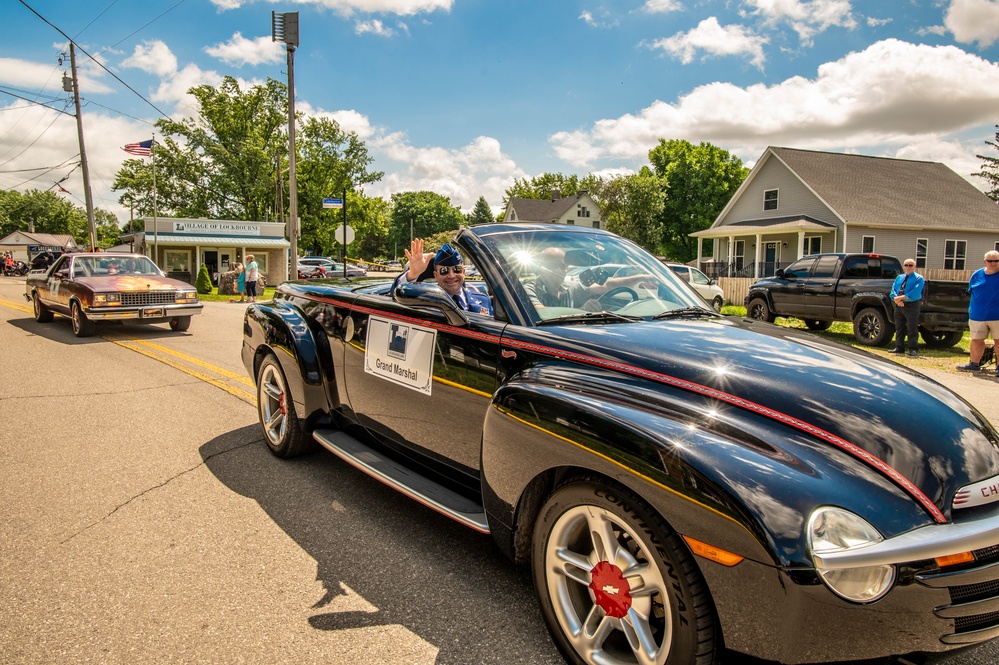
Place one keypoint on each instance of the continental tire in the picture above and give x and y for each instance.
(617, 585)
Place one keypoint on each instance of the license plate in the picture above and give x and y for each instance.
(150, 312)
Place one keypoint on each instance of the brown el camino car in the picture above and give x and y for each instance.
(110, 287)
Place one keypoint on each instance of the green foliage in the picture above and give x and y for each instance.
(47, 211)
(426, 213)
(542, 186)
(204, 282)
(632, 205)
(990, 170)
(698, 182)
(481, 213)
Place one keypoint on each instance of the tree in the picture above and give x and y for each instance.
(990, 170)
(203, 283)
(481, 213)
(46, 212)
(632, 205)
(544, 185)
(697, 182)
(426, 213)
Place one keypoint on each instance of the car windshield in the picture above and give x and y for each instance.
(563, 274)
(97, 266)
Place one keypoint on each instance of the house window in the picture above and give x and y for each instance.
(955, 253)
(813, 245)
(739, 255)
(596, 223)
(177, 260)
(582, 211)
(868, 245)
(921, 246)
(570, 222)
(770, 199)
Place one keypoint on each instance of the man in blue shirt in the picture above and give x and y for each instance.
(907, 298)
(984, 309)
(448, 269)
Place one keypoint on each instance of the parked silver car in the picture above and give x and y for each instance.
(707, 288)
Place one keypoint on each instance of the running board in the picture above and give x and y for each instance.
(401, 478)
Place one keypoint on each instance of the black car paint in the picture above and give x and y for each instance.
(698, 427)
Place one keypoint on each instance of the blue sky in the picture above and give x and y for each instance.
(462, 96)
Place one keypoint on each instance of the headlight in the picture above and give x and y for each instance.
(833, 530)
(186, 295)
(107, 299)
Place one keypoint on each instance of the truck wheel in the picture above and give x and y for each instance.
(941, 339)
(816, 324)
(871, 327)
(42, 313)
(717, 303)
(180, 323)
(616, 583)
(82, 326)
(282, 430)
(759, 309)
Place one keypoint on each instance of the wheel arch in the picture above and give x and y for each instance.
(302, 352)
(873, 299)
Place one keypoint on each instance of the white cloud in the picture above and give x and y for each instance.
(662, 6)
(153, 57)
(349, 7)
(464, 174)
(588, 17)
(714, 40)
(807, 18)
(241, 51)
(892, 93)
(374, 27)
(973, 21)
(877, 22)
(35, 76)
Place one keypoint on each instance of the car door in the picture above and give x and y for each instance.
(788, 292)
(417, 382)
(55, 291)
(820, 289)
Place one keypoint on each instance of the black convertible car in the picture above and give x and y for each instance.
(680, 481)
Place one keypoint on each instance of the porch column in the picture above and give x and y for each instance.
(801, 244)
(756, 257)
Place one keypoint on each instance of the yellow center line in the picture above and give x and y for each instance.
(244, 395)
(242, 378)
(19, 306)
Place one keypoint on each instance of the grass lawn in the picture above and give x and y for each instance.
(215, 297)
(942, 359)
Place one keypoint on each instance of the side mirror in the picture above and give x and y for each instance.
(430, 295)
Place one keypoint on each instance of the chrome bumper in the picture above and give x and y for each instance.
(144, 312)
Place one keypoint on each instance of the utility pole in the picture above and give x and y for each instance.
(284, 28)
(87, 197)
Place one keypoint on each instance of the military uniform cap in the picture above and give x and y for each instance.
(448, 256)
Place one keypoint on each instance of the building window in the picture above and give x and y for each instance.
(570, 222)
(868, 245)
(177, 260)
(739, 254)
(770, 199)
(955, 253)
(582, 211)
(261, 260)
(922, 244)
(596, 223)
(813, 245)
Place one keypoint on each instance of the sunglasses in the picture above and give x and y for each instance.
(443, 270)
(908, 265)
(992, 260)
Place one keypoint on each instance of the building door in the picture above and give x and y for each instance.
(227, 259)
(771, 256)
(210, 257)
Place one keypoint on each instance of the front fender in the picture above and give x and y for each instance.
(301, 348)
(871, 299)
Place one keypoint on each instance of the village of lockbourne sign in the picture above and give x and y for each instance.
(215, 228)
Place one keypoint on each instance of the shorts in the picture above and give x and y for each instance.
(982, 329)
(251, 289)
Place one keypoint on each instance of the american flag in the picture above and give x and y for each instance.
(142, 148)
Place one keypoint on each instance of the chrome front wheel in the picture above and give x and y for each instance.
(278, 421)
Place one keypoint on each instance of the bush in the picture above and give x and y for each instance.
(204, 282)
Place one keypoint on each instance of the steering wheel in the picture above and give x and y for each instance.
(605, 298)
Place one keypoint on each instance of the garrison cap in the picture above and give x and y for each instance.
(448, 256)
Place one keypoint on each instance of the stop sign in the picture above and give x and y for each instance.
(341, 232)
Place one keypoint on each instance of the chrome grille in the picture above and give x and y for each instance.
(148, 298)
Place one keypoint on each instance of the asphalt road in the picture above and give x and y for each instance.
(142, 520)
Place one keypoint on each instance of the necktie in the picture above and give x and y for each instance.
(901, 289)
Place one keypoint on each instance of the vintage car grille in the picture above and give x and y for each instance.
(148, 298)
(974, 598)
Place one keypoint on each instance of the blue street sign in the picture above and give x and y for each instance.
(332, 203)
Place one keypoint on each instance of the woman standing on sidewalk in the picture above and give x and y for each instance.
(250, 275)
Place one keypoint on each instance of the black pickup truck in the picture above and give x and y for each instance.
(823, 288)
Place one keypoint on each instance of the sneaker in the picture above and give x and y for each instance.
(898, 351)
(970, 367)
(913, 353)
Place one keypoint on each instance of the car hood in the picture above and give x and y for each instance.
(133, 283)
(913, 430)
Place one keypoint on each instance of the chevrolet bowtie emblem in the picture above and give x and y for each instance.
(610, 590)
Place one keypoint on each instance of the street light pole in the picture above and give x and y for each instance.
(87, 196)
(284, 28)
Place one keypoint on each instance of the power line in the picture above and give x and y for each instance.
(33, 101)
(95, 60)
